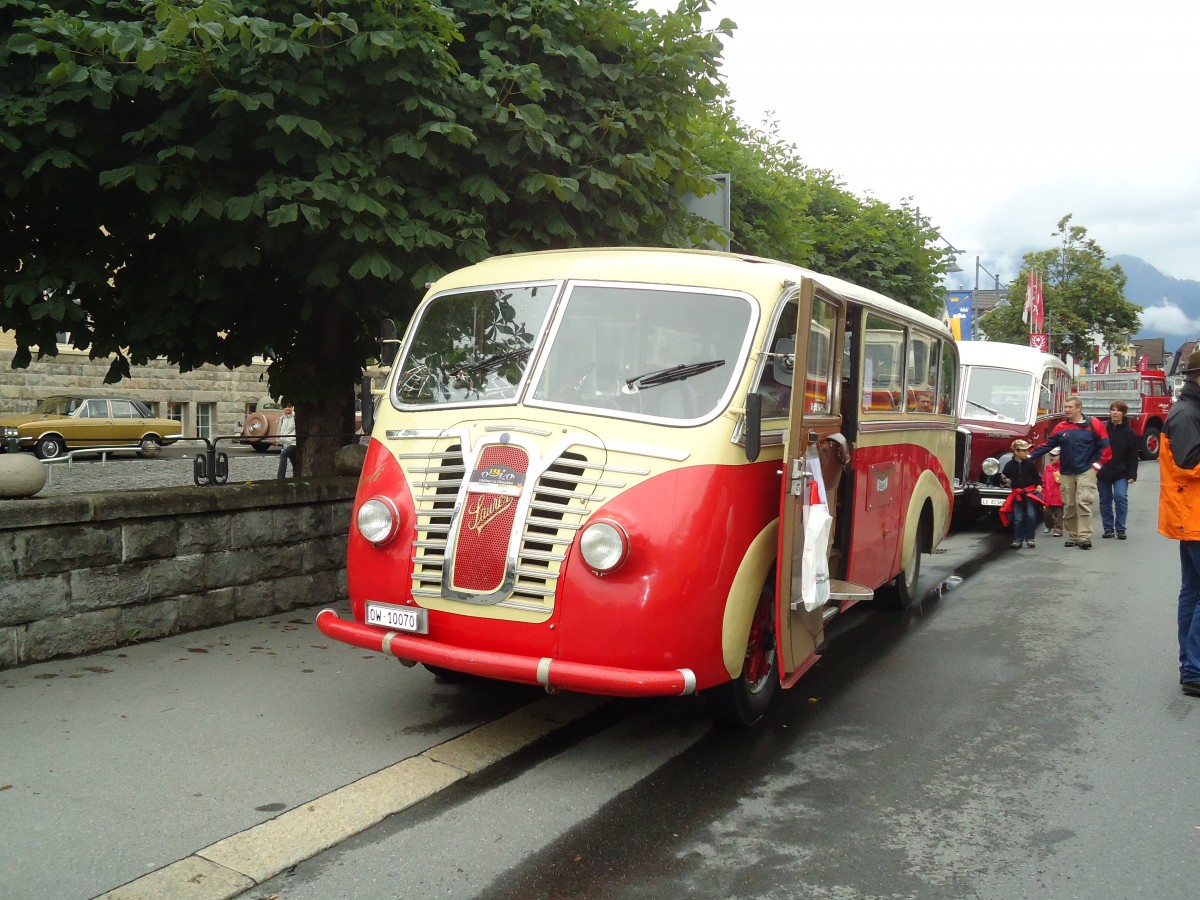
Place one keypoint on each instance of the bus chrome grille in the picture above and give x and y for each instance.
(560, 499)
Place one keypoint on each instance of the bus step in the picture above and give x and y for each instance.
(845, 590)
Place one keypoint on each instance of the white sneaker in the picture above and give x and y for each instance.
(1047, 531)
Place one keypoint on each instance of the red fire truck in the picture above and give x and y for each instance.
(1146, 394)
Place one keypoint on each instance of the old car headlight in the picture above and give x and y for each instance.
(991, 466)
(10, 432)
(378, 520)
(604, 545)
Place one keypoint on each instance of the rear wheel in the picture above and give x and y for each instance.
(1150, 442)
(903, 591)
(744, 701)
(261, 446)
(50, 446)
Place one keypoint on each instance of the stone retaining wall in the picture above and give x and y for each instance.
(87, 572)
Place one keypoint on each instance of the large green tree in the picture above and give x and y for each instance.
(209, 180)
(1085, 297)
(783, 209)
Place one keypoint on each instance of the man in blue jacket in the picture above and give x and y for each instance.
(1081, 442)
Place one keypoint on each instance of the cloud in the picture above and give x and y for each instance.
(1168, 319)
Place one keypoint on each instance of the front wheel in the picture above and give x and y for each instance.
(50, 447)
(1150, 442)
(744, 700)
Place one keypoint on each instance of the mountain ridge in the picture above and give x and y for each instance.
(1170, 306)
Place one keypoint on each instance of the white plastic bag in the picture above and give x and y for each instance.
(814, 563)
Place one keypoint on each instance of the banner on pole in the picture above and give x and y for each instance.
(1040, 341)
(958, 310)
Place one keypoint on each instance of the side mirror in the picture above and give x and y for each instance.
(389, 343)
(753, 430)
(366, 404)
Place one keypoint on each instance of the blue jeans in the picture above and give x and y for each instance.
(1189, 611)
(1113, 493)
(1026, 514)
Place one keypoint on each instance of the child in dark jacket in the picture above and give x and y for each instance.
(1022, 475)
(1118, 470)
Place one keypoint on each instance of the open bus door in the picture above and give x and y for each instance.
(812, 470)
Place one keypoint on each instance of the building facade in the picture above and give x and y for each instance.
(210, 401)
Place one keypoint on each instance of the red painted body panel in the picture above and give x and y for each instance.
(879, 513)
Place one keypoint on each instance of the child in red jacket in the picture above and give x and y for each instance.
(1052, 511)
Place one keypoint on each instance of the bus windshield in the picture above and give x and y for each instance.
(1002, 395)
(646, 351)
(473, 346)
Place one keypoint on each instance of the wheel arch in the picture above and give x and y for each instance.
(929, 496)
(743, 596)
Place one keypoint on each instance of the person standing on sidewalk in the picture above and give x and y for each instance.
(1117, 472)
(286, 433)
(1081, 441)
(1179, 514)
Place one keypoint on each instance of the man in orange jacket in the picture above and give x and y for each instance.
(1179, 514)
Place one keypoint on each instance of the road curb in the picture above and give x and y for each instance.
(244, 860)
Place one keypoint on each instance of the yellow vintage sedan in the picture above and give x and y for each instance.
(66, 423)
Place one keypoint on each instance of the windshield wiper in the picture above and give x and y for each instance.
(994, 412)
(491, 362)
(665, 376)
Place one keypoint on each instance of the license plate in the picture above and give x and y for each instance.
(991, 501)
(402, 618)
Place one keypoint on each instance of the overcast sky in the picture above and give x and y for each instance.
(995, 119)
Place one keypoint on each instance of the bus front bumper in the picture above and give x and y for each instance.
(552, 674)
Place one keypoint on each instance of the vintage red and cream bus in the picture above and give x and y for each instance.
(1008, 392)
(647, 472)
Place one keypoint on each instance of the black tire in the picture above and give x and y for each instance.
(744, 700)
(1151, 440)
(261, 446)
(904, 590)
(50, 446)
(150, 446)
(449, 676)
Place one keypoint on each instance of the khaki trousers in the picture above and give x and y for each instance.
(1079, 499)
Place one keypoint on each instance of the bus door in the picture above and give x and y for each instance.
(814, 416)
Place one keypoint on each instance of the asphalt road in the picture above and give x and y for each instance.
(1019, 735)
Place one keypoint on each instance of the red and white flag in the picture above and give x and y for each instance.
(1027, 309)
(1039, 305)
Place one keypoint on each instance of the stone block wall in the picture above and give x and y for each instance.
(86, 572)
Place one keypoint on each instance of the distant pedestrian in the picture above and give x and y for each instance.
(1118, 471)
(1022, 475)
(1179, 514)
(286, 435)
(1082, 441)
(1052, 509)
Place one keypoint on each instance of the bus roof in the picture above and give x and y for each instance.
(764, 278)
(1006, 356)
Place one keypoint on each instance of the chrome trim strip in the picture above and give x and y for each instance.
(520, 429)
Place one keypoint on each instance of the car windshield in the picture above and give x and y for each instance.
(644, 350)
(1000, 395)
(473, 346)
(58, 406)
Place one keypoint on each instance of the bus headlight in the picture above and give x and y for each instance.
(378, 520)
(991, 466)
(604, 546)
